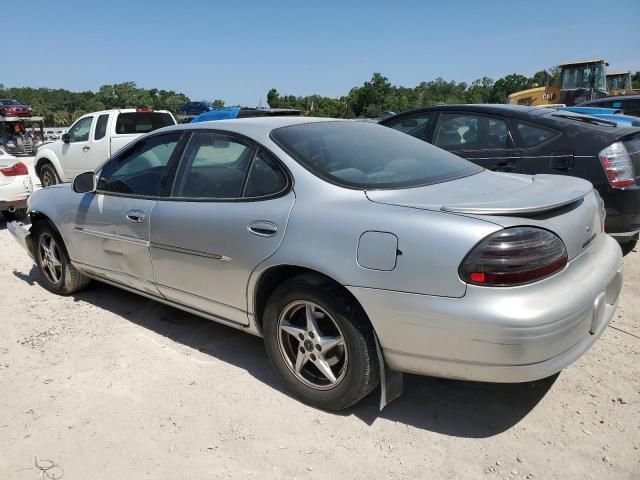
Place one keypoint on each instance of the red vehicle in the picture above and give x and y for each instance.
(13, 108)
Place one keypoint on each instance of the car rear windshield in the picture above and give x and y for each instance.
(142, 122)
(369, 156)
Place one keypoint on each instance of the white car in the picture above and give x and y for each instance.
(15, 187)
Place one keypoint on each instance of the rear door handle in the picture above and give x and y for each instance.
(135, 216)
(263, 228)
(86, 148)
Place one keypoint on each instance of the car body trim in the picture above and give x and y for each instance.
(197, 253)
(111, 236)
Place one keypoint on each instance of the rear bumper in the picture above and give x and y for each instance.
(508, 335)
(8, 204)
(623, 211)
(22, 234)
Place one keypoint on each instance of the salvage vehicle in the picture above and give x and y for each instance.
(612, 114)
(511, 138)
(13, 108)
(356, 251)
(15, 187)
(629, 104)
(92, 139)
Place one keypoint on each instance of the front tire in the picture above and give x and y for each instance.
(58, 274)
(320, 342)
(48, 175)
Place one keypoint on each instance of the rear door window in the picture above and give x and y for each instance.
(471, 132)
(533, 135)
(101, 127)
(214, 165)
(414, 125)
(142, 122)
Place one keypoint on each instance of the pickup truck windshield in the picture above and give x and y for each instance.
(369, 156)
(142, 122)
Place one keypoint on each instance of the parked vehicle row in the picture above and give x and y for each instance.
(350, 246)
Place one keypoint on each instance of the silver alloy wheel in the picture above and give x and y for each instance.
(312, 345)
(50, 258)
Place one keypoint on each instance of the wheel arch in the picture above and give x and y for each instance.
(45, 157)
(274, 276)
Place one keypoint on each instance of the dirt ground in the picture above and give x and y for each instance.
(106, 384)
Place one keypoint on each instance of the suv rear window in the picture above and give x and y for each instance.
(142, 122)
(369, 156)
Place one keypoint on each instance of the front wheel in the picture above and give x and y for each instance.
(48, 175)
(59, 275)
(320, 343)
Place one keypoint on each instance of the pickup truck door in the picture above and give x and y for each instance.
(111, 228)
(75, 156)
(227, 213)
(482, 139)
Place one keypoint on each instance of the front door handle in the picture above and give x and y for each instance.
(263, 228)
(135, 216)
(86, 148)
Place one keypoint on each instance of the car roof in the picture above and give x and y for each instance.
(489, 108)
(606, 99)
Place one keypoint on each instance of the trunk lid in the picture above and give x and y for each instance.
(562, 204)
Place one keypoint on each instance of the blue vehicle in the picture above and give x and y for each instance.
(195, 108)
(243, 112)
(610, 114)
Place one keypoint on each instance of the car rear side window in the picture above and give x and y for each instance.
(101, 127)
(532, 135)
(142, 169)
(214, 165)
(265, 178)
(471, 132)
(142, 122)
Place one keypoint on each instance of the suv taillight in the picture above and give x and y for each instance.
(514, 256)
(15, 170)
(618, 165)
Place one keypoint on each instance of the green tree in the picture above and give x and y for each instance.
(508, 85)
(635, 80)
(218, 103)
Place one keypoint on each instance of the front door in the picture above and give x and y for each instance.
(227, 213)
(76, 155)
(482, 139)
(111, 231)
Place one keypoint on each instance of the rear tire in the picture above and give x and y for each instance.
(628, 246)
(58, 274)
(296, 347)
(48, 175)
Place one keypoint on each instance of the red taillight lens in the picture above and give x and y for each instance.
(617, 163)
(514, 256)
(15, 170)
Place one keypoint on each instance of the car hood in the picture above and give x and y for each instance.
(561, 204)
(490, 193)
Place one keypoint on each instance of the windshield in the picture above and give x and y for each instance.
(582, 76)
(369, 156)
(618, 82)
(9, 102)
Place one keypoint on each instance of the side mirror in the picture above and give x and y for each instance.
(84, 183)
(65, 137)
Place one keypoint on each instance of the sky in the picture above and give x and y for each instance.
(239, 50)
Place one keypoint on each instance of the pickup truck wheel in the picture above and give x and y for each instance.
(320, 343)
(48, 175)
(58, 274)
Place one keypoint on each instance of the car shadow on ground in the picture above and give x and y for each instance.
(449, 407)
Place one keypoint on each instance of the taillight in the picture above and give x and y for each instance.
(15, 170)
(514, 256)
(618, 165)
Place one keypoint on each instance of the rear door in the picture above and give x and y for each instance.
(228, 212)
(482, 139)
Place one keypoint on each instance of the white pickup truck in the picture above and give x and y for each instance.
(92, 139)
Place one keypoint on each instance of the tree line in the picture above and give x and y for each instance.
(60, 107)
(379, 95)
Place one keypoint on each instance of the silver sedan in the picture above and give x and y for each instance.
(353, 249)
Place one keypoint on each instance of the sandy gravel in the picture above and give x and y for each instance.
(109, 385)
